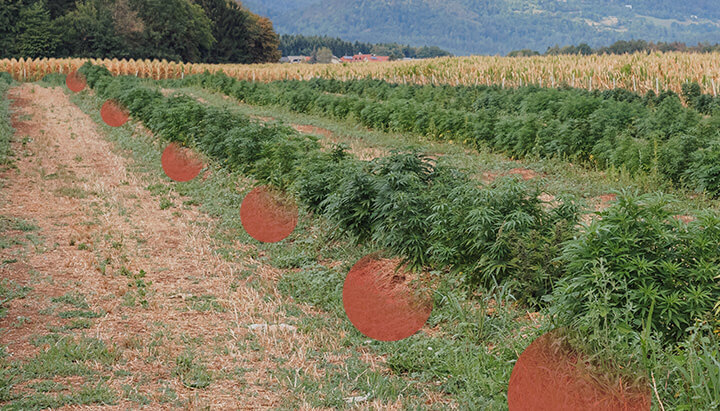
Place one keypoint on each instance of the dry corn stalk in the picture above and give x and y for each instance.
(637, 72)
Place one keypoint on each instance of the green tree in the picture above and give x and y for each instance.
(89, 31)
(35, 37)
(392, 50)
(9, 14)
(174, 29)
(523, 53)
(230, 28)
(264, 41)
(59, 8)
(323, 55)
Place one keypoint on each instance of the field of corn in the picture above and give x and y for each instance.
(636, 72)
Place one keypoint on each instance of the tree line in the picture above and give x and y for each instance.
(299, 45)
(213, 31)
(621, 47)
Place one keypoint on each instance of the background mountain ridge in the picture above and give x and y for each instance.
(495, 26)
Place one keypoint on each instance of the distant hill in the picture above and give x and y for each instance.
(496, 26)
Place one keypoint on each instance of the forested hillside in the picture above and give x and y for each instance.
(213, 31)
(496, 26)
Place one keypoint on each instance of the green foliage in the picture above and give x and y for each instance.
(175, 29)
(297, 44)
(9, 291)
(230, 29)
(192, 373)
(601, 129)
(6, 129)
(66, 356)
(209, 30)
(625, 47)
(89, 30)
(320, 174)
(350, 206)
(695, 381)
(704, 169)
(87, 394)
(34, 38)
(74, 299)
(391, 201)
(138, 289)
(638, 275)
(480, 234)
(501, 233)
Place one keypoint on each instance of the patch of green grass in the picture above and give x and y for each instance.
(53, 80)
(10, 290)
(9, 242)
(47, 386)
(77, 324)
(74, 299)
(6, 129)
(79, 314)
(20, 321)
(139, 289)
(167, 394)
(159, 189)
(191, 371)
(65, 356)
(88, 394)
(204, 303)
(16, 224)
(131, 393)
(14, 239)
(72, 192)
(166, 203)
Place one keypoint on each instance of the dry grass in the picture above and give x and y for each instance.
(133, 234)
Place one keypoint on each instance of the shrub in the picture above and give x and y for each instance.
(614, 128)
(639, 271)
(500, 233)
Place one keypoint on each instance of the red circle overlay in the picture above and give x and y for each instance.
(113, 114)
(267, 215)
(547, 377)
(180, 163)
(381, 302)
(75, 82)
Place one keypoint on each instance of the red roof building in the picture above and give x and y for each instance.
(364, 57)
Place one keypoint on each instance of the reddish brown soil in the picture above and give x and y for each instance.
(113, 114)
(308, 129)
(524, 173)
(604, 201)
(180, 163)
(547, 377)
(75, 82)
(267, 216)
(685, 218)
(381, 302)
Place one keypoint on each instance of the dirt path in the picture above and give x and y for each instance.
(102, 231)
